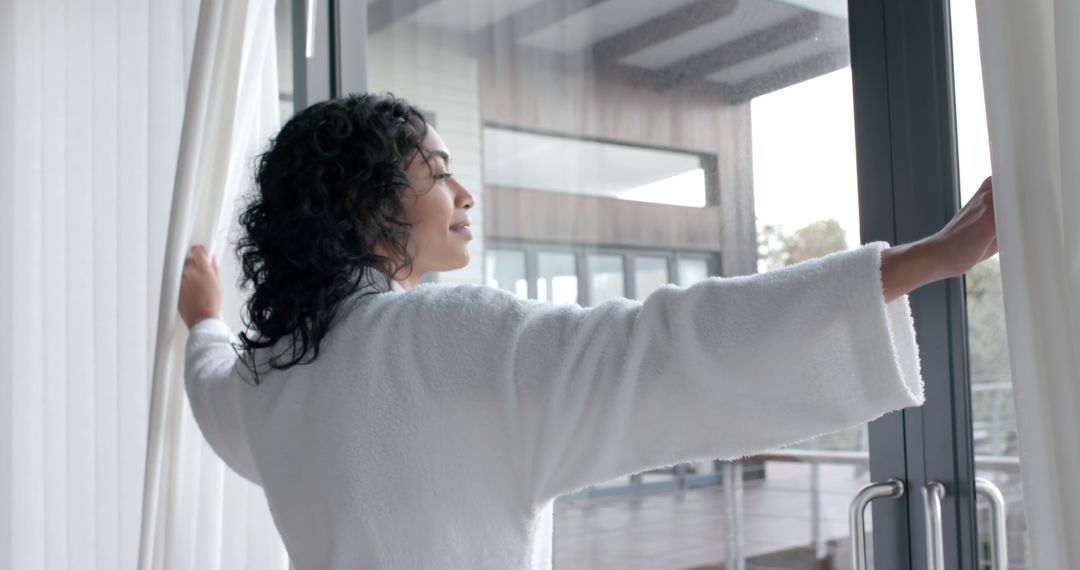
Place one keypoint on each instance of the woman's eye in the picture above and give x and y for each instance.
(443, 176)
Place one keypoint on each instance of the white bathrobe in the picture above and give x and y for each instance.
(438, 424)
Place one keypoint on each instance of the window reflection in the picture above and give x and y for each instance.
(556, 277)
(606, 278)
(692, 270)
(650, 273)
(284, 35)
(611, 149)
(506, 270)
(534, 161)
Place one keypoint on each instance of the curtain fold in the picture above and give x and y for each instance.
(1031, 79)
(189, 520)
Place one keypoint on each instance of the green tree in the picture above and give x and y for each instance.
(988, 352)
(817, 239)
(987, 341)
(774, 245)
(777, 248)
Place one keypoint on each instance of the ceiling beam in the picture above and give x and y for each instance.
(697, 67)
(662, 28)
(791, 74)
(536, 17)
(648, 80)
(384, 13)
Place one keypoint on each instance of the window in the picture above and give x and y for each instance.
(692, 270)
(556, 279)
(582, 274)
(606, 277)
(614, 147)
(993, 410)
(506, 270)
(533, 161)
(650, 273)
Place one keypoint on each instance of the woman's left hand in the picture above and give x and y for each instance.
(200, 289)
(970, 237)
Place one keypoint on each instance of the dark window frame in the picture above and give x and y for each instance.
(628, 254)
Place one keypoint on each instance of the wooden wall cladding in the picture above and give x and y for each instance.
(545, 93)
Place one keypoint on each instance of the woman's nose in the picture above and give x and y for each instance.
(464, 198)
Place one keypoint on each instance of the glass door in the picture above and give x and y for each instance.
(963, 440)
(617, 146)
(999, 493)
(614, 146)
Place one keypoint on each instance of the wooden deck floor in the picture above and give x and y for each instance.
(681, 530)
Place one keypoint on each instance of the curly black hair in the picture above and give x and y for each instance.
(329, 188)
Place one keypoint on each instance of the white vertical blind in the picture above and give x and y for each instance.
(7, 277)
(91, 111)
(93, 91)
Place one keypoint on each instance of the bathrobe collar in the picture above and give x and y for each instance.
(375, 280)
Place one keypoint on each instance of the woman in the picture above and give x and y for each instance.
(399, 425)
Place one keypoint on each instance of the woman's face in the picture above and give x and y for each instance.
(437, 208)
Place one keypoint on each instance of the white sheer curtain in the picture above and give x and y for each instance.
(196, 512)
(1031, 75)
(92, 105)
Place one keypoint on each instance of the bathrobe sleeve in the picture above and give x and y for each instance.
(721, 369)
(213, 392)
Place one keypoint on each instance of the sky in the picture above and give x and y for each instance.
(804, 162)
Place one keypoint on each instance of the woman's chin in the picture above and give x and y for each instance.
(464, 260)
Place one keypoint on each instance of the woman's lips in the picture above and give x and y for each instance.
(463, 229)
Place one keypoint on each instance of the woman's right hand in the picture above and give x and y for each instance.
(200, 288)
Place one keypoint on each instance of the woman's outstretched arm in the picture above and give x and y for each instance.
(721, 369)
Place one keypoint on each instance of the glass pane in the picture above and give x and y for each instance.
(650, 273)
(575, 166)
(556, 277)
(605, 277)
(505, 269)
(284, 37)
(993, 414)
(692, 270)
(695, 130)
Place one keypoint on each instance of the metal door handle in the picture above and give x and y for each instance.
(893, 488)
(933, 492)
(997, 521)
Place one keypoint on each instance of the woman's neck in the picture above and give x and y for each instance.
(410, 282)
(408, 278)
(414, 276)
